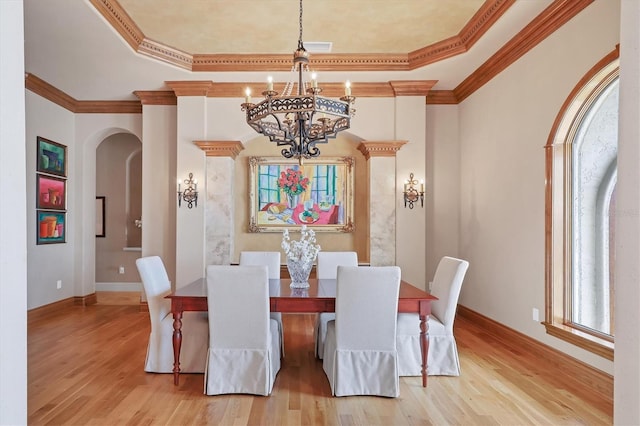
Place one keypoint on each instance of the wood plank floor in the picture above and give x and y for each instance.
(85, 367)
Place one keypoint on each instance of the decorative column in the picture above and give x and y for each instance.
(191, 124)
(158, 192)
(381, 170)
(219, 202)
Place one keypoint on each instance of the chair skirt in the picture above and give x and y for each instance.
(193, 353)
(246, 371)
(321, 331)
(443, 352)
(359, 372)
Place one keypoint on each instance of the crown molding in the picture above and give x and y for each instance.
(108, 107)
(58, 97)
(47, 91)
(190, 87)
(156, 97)
(552, 18)
(380, 148)
(412, 87)
(441, 97)
(122, 23)
(220, 148)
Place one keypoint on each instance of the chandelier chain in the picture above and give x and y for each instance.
(300, 44)
(299, 121)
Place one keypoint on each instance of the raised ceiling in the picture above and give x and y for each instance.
(109, 49)
(272, 26)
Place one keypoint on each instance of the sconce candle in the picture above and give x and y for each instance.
(270, 84)
(190, 194)
(247, 93)
(314, 80)
(347, 88)
(411, 194)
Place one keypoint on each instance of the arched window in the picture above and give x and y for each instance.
(581, 158)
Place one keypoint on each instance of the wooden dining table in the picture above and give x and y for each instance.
(319, 297)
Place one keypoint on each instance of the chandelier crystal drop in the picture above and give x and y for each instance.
(299, 118)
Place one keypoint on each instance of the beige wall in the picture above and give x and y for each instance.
(503, 128)
(118, 172)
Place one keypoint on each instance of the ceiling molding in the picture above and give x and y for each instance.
(552, 18)
(122, 23)
(479, 24)
(412, 87)
(47, 91)
(190, 87)
(156, 97)
(120, 20)
(58, 97)
(108, 107)
(166, 54)
(441, 97)
(380, 149)
(484, 18)
(220, 148)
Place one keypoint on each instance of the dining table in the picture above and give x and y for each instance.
(319, 297)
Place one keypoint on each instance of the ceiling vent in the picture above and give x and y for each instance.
(318, 46)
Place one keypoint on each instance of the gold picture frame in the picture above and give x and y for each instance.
(285, 194)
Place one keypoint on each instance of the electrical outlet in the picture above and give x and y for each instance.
(121, 270)
(59, 284)
(536, 315)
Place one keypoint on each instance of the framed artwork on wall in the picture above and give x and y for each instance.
(285, 194)
(100, 216)
(50, 227)
(52, 157)
(51, 192)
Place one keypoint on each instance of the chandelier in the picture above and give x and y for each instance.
(300, 119)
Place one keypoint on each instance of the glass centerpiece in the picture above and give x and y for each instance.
(300, 256)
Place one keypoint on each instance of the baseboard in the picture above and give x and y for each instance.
(45, 311)
(118, 286)
(55, 308)
(576, 370)
(89, 299)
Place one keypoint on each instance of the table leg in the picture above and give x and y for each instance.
(177, 344)
(424, 347)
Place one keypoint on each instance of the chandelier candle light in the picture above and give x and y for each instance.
(300, 256)
(299, 121)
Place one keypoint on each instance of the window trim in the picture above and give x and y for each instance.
(558, 157)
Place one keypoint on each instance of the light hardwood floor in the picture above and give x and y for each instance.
(85, 367)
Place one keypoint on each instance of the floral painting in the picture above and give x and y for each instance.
(317, 193)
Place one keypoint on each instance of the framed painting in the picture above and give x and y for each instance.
(52, 157)
(51, 192)
(51, 227)
(285, 194)
(100, 218)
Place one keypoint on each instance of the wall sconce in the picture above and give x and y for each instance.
(190, 194)
(411, 193)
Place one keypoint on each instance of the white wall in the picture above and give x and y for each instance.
(503, 128)
(51, 262)
(13, 218)
(159, 184)
(626, 410)
(442, 185)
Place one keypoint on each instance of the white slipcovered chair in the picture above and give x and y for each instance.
(195, 326)
(328, 262)
(360, 356)
(271, 259)
(443, 352)
(244, 343)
